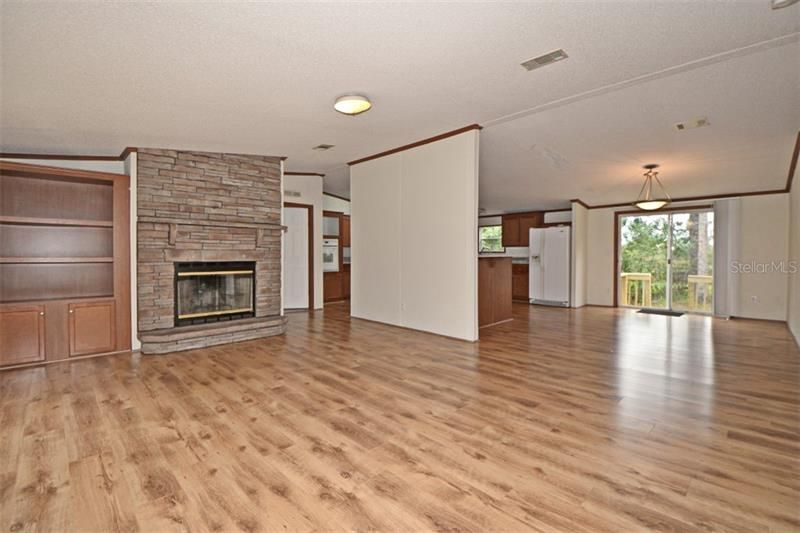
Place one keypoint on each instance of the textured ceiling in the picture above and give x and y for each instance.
(261, 78)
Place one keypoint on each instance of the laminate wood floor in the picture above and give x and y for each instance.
(585, 420)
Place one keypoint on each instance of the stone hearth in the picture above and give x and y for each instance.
(200, 206)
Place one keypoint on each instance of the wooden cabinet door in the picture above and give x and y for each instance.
(511, 230)
(519, 282)
(526, 222)
(501, 285)
(331, 286)
(21, 334)
(346, 231)
(485, 293)
(92, 327)
(346, 281)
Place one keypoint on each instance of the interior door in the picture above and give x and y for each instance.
(296, 258)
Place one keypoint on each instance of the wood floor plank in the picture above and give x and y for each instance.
(560, 420)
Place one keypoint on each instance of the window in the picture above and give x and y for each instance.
(490, 239)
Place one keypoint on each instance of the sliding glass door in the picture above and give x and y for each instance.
(692, 261)
(666, 260)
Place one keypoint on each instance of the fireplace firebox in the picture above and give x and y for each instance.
(214, 291)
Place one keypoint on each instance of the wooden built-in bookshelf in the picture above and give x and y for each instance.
(64, 263)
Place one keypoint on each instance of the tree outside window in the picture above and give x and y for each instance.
(490, 239)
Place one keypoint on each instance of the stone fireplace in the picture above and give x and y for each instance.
(209, 248)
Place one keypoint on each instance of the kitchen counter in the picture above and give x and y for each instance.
(494, 290)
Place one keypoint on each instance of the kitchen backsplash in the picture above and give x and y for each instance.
(517, 253)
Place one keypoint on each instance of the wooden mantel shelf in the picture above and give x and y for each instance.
(40, 221)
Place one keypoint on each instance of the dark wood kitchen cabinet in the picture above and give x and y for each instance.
(516, 227)
(332, 286)
(494, 290)
(346, 231)
(519, 281)
(510, 230)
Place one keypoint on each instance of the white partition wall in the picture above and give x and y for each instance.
(414, 237)
(580, 230)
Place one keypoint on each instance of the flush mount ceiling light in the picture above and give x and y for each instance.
(780, 4)
(648, 200)
(352, 104)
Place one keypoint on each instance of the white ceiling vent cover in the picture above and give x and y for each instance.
(544, 60)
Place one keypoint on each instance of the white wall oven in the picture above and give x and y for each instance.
(330, 255)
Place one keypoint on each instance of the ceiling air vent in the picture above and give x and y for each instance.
(322, 147)
(546, 59)
(692, 124)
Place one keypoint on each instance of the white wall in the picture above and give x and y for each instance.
(129, 168)
(763, 238)
(332, 203)
(558, 216)
(414, 231)
(490, 221)
(600, 257)
(794, 257)
(578, 271)
(310, 190)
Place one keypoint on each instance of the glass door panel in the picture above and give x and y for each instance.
(644, 254)
(692, 261)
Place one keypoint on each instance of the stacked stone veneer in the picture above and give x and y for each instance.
(201, 206)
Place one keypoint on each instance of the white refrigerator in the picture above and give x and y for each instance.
(549, 268)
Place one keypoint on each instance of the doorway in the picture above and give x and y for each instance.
(665, 260)
(298, 256)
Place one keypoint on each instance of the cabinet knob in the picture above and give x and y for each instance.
(41, 313)
(71, 311)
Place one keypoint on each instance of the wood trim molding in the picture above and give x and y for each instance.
(418, 143)
(128, 151)
(287, 173)
(72, 157)
(312, 304)
(580, 202)
(793, 163)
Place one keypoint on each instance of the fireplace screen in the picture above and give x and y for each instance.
(210, 292)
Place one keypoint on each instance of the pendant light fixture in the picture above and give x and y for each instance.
(650, 200)
(352, 104)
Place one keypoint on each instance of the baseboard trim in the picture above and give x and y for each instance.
(415, 330)
(72, 359)
(734, 317)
